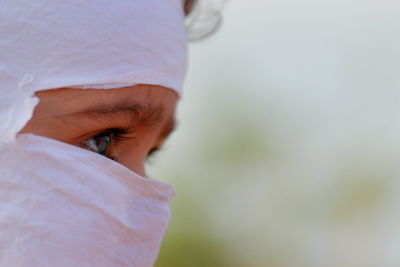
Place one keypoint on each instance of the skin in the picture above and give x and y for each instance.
(140, 118)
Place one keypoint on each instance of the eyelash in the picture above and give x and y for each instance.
(116, 135)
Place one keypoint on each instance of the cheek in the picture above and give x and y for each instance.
(133, 155)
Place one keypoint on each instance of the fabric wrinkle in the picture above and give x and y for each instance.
(76, 211)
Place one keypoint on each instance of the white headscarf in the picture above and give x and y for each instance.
(88, 44)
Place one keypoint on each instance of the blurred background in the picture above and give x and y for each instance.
(287, 151)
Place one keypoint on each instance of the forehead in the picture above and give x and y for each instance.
(72, 100)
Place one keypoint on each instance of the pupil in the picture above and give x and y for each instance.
(102, 142)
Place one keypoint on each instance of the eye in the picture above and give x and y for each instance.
(99, 143)
(103, 143)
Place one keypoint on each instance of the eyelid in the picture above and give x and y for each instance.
(122, 131)
(116, 134)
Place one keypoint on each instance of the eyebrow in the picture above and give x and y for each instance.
(137, 109)
(139, 112)
(124, 109)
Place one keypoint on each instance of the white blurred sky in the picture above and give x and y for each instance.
(318, 51)
(320, 79)
(318, 73)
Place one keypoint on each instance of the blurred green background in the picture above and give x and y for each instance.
(287, 151)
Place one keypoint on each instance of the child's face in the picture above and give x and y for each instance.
(124, 124)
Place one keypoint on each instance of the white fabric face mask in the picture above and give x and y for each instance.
(63, 206)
